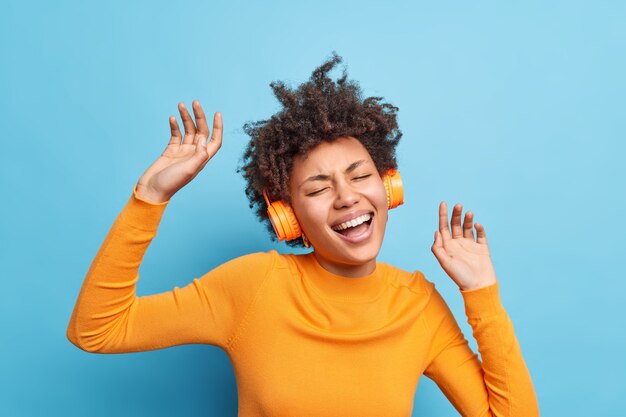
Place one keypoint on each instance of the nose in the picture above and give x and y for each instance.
(346, 195)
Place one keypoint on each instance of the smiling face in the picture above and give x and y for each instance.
(341, 205)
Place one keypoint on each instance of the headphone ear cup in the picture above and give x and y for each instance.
(394, 188)
(283, 219)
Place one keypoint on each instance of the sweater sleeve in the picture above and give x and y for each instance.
(108, 317)
(500, 385)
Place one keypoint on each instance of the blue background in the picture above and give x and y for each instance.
(517, 111)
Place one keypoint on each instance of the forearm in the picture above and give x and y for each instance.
(506, 377)
(109, 288)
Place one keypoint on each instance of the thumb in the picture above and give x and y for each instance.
(201, 155)
(438, 249)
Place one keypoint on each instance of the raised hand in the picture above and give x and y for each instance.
(181, 161)
(465, 260)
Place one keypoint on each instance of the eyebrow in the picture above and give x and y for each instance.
(324, 177)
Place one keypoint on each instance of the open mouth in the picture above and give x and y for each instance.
(356, 227)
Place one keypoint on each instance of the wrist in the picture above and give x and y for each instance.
(483, 302)
(478, 285)
(149, 195)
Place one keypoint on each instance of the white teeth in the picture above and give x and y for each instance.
(352, 223)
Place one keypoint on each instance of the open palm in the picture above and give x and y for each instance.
(466, 260)
(184, 157)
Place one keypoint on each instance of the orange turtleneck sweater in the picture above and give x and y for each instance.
(303, 341)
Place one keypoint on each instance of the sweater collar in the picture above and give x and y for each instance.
(337, 287)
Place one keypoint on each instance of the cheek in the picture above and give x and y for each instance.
(311, 217)
(380, 200)
(380, 197)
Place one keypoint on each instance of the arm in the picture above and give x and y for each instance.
(109, 318)
(501, 384)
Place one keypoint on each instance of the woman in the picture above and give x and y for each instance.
(332, 332)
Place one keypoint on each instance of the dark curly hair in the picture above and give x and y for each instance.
(318, 110)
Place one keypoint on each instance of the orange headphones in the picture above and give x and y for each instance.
(286, 225)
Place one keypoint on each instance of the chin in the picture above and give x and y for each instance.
(354, 256)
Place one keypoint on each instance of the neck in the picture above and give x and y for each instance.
(347, 270)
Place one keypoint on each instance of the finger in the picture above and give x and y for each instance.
(481, 236)
(175, 130)
(190, 128)
(456, 221)
(443, 221)
(202, 131)
(216, 137)
(468, 232)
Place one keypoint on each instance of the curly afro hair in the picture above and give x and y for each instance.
(318, 110)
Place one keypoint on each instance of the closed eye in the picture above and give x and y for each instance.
(316, 192)
(362, 177)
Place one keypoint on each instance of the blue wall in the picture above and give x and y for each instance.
(517, 111)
